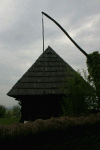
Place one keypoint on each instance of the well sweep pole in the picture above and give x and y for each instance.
(68, 36)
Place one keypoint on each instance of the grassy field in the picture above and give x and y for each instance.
(8, 121)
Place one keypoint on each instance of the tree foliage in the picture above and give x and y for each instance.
(2, 111)
(8, 114)
(19, 103)
(76, 93)
(16, 111)
(94, 72)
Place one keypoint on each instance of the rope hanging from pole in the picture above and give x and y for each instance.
(43, 51)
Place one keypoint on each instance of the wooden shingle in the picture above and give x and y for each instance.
(50, 69)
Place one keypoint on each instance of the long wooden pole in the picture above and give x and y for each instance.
(43, 51)
(68, 36)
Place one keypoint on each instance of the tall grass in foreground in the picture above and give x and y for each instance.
(55, 133)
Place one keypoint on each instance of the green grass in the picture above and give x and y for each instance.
(8, 121)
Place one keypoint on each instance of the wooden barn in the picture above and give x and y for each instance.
(39, 89)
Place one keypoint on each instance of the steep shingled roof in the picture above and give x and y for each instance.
(32, 82)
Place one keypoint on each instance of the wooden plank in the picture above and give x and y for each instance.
(56, 59)
(30, 92)
(41, 79)
(38, 85)
(49, 74)
(50, 64)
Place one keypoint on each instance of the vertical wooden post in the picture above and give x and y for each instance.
(22, 114)
(43, 53)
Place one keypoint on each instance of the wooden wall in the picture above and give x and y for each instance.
(40, 107)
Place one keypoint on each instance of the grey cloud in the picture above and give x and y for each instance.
(21, 35)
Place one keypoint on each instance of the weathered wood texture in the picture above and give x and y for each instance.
(50, 69)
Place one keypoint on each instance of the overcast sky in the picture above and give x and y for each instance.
(21, 36)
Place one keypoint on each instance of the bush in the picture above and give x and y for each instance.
(2, 111)
(77, 90)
